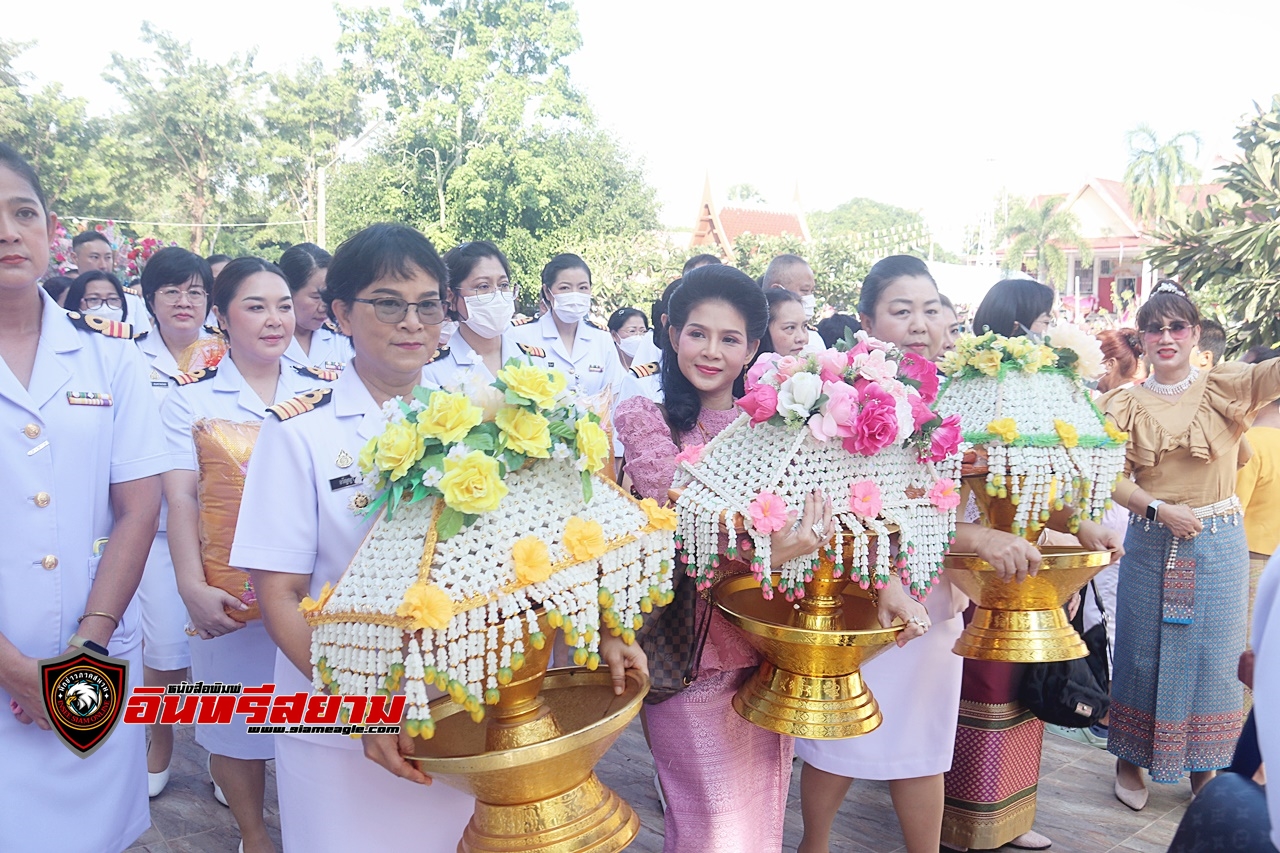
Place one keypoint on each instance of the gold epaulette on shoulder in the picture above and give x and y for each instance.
(142, 336)
(196, 375)
(593, 324)
(213, 330)
(520, 321)
(331, 326)
(136, 291)
(301, 404)
(438, 354)
(318, 372)
(101, 325)
(811, 327)
(640, 371)
(531, 350)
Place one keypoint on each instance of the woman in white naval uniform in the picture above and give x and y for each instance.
(79, 433)
(176, 287)
(255, 310)
(298, 530)
(482, 302)
(316, 340)
(564, 339)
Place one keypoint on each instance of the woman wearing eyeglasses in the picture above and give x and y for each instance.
(299, 526)
(1176, 705)
(100, 293)
(482, 302)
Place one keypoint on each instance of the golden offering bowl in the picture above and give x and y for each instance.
(1024, 622)
(809, 684)
(530, 763)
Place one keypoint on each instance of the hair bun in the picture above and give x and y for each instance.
(1132, 340)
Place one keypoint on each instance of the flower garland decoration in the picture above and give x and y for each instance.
(490, 513)
(854, 421)
(1047, 446)
(441, 444)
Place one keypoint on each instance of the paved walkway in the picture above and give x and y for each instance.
(1076, 807)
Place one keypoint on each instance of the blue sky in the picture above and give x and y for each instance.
(930, 105)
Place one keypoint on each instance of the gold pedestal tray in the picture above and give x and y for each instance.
(809, 685)
(530, 763)
(1024, 622)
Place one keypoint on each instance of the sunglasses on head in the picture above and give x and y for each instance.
(1178, 330)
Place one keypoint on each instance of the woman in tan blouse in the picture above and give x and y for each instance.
(1180, 623)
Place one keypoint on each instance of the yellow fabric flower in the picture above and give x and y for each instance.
(1018, 347)
(533, 383)
(660, 517)
(526, 431)
(1039, 357)
(471, 484)
(427, 605)
(1070, 437)
(593, 444)
(532, 559)
(1006, 429)
(399, 447)
(1114, 432)
(987, 361)
(311, 605)
(583, 538)
(367, 453)
(448, 417)
(952, 363)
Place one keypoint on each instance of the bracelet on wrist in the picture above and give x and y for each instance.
(114, 620)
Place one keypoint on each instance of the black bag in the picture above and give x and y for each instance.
(1071, 693)
(673, 639)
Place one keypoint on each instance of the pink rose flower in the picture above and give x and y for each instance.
(945, 494)
(788, 366)
(945, 440)
(691, 454)
(860, 348)
(873, 343)
(921, 414)
(768, 513)
(763, 365)
(831, 365)
(877, 426)
(839, 414)
(761, 403)
(874, 366)
(864, 499)
(921, 371)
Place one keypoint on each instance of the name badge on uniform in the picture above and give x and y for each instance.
(88, 398)
(343, 482)
(596, 368)
(158, 379)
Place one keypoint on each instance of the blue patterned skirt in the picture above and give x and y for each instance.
(1176, 704)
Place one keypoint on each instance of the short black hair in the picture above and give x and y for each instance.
(700, 261)
(57, 285)
(622, 316)
(1012, 306)
(560, 263)
(218, 259)
(173, 265)
(658, 308)
(298, 263)
(227, 284)
(75, 292)
(88, 237)
(379, 251)
(774, 296)
(1213, 338)
(1167, 302)
(884, 273)
(832, 329)
(11, 159)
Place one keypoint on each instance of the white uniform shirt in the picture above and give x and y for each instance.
(592, 366)
(648, 351)
(460, 366)
(296, 514)
(59, 461)
(330, 350)
(138, 317)
(816, 344)
(639, 381)
(1266, 680)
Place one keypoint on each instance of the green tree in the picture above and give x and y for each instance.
(861, 216)
(1230, 251)
(1156, 170)
(1042, 232)
(745, 193)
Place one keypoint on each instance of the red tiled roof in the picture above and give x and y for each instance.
(1192, 195)
(769, 223)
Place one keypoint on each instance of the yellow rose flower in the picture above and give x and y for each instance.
(1038, 358)
(952, 363)
(660, 517)
(1070, 437)
(399, 447)
(987, 361)
(311, 605)
(533, 383)
(584, 539)
(532, 559)
(593, 444)
(448, 417)
(1006, 429)
(427, 605)
(471, 484)
(1115, 433)
(367, 454)
(526, 432)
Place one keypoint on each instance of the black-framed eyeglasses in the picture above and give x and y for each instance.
(91, 302)
(390, 309)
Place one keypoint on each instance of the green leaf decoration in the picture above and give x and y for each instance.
(561, 429)
(587, 488)
(478, 440)
(450, 523)
(423, 395)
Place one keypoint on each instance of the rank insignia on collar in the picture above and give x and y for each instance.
(196, 375)
(640, 371)
(320, 373)
(531, 350)
(301, 404)
(101, 325)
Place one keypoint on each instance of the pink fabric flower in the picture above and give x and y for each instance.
(874, 366)
(763, 365)
(860, 348)
(873, 343)
(864, 499)
(945, 440)
(832, 364)
(839, 414)
(921, 414)
(768, 513)
(788, 366)
(692, 454)
(761, 403)
(923, 372)
(877, 426)
(945, 494)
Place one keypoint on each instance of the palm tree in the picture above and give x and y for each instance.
(1156, 169)
(1042, 231)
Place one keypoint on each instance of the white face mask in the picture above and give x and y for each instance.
(571, 307)
(447, 328)
(810, 304)
(492, 318)
(106, 311)
(631, 345)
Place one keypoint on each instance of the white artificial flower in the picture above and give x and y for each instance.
(560, 452)
(416, 405)
(1085, 345)
(391, 412)
(458, 451)
(902, 408)
(432, 477)
(799, 394)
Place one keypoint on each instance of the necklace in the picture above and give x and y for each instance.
(706, 436)
(1171, 390)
